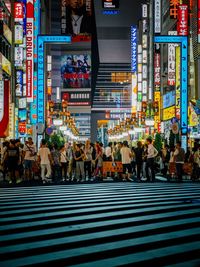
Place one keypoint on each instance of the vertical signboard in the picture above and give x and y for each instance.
(171, 61)
(18, 12)
(178, 62)
(133, 49)
(182, 23)
(157, 16)
(183, 40)
(42, 39)
(33, 109)
(174, 8)
(198, 23)
(134, 68)
(29, 50)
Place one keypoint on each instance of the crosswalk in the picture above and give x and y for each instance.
(105, 224)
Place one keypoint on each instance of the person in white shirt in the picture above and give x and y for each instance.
(45, 159)
(29, 152)
(151, 154)
(126, 160)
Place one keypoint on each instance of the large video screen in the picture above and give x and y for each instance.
(76, 71)
(76, 18)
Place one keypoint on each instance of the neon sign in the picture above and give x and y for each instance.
(183, 40)
(42, 39)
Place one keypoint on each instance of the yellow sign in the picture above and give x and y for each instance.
(193, 118)
(169, 113)
(5, 63)
(157, 99)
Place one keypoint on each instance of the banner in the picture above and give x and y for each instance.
(77, 98)
(171, 61)
(29, 50)
(4, 109)
(169, 113)
(157, 68)
(18, 34)
(174, 8)
(182, 24)
(19, 56)
(19, 83)
(110, 4)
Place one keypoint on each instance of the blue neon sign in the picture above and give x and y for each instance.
(42, 39)
(33, 109)
(133, 49)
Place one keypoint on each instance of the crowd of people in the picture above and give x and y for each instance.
(85, 162)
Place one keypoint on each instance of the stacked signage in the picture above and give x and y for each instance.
(20, 66)
(134, 68)
(182, 24)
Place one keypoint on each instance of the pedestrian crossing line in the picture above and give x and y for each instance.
(113, 224)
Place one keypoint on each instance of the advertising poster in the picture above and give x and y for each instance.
(76, 19)
(18, 34)
(22, 103)
(169, 99)
(22, 114)
(169, 113)
(19, 56)
(19, 83)
(76, 71)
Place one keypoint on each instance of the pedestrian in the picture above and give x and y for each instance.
(88, 161)
(79, 158)
(98, 161)
(45, 160)
(150, 165)
(126, 161)
(179, 156)
(29, 154)
(12, 158)
(139, 159)
(64, 162)
(56, 164)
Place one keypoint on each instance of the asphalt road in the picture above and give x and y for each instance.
(100, 224)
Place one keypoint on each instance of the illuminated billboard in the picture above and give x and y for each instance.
(76, 71)
(110, 4)
(42, 39)
(183, 40)
(76, 19)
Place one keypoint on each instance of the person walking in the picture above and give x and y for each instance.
(64, 162)
(88, 159)
(29, 153)
(179, 156)
(126, 161)
(79, 158)
(44, 157)
(150, 164)
(138, 159)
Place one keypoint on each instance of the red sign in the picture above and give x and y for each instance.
(18, 12)
(22, 127)
(29, 50)
(182, 24)
(198, 21)
(4, 108)
(174, 8)
(157, 69)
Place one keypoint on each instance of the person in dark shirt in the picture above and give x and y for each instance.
(139, 159)
(79, 158)
(12, 158)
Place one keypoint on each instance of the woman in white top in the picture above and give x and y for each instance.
(44, 156)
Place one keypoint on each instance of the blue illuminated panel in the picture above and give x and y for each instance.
(183, 40)
(33, 109)
(110, 12)
(133, 49)
(42, 39)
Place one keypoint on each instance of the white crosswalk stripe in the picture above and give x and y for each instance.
(113, 224)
